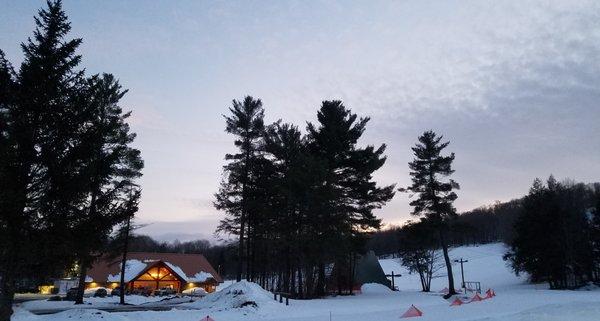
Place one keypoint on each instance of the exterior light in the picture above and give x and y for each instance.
(46, 289)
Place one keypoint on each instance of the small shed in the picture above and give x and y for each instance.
(368, 270)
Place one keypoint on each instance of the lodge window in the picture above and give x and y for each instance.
(157, 277)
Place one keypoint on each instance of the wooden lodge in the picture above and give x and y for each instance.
(147, 272)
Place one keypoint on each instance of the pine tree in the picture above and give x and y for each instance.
(39, 123)
(66, 164)
(110, 167)
(350, 195)
(246, 123)
(434, 197)
(12, 223)
(552, 235)
(595, 231)
(291, 192)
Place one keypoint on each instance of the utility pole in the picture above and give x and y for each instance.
(462, 271)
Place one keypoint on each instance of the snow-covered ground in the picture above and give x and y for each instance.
(95, 302)
(515, 300)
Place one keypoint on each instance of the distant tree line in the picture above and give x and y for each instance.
(299, 203)
(222, 256)
(67, 169)
(486, 224)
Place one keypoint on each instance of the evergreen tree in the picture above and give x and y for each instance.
(109, 167)
(39, 120)
(293, 195)
(349, 193)
(434, 197)
(306, 201)
(235, 194)
(63, 148)
(595, 231)
(12, 223)
(552, 235)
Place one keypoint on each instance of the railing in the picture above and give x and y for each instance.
(472, 286)
(282, 295)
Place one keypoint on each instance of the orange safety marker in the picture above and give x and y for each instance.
(412, 312)
(476, 297)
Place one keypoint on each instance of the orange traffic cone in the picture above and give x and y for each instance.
(412, 312)
(476, 297)
(488, 294)
(456, 302)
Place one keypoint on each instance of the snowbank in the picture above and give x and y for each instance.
(23, 315)
(374, 288)
(238, 295)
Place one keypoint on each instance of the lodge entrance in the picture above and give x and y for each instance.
(157, 277)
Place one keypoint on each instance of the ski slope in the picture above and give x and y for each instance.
(515, 300)
(485, 265)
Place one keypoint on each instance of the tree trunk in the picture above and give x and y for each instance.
(81, 286)
(319, 291)
(7, 295)
(310, 280)
(288, 270)
(352, 269)
(300, 285)
(249, 241)
(243, 217)
(124, 261)
(451, 290)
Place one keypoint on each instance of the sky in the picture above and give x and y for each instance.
(513, 85)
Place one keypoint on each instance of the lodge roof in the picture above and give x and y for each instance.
(190, 264)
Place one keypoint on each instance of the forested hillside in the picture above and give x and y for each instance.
(482, 225)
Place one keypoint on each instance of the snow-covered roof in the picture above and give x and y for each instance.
(190, 267)
(132, 269)
(177, 270)
(200, 277)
